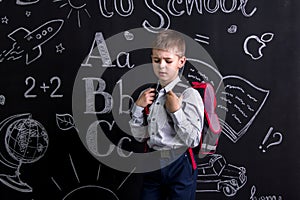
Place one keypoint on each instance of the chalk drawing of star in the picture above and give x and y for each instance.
(4, 20)
(59, 48)
(27, 13)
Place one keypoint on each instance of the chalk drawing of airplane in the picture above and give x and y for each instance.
(31, 42)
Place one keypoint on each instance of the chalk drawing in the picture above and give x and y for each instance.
(118, 7)
(244, 101)
(163, 16)
(241, 100)
(257, 53)
(104, 55)
(99, 41)
(202, 39)
(266, 197)
(97, 191)
(77, 8)
(174, 8)
(74, 169)
(242, 7)
(179, 8)
(127, 63)
(65, 122)
(30, 81)
(82, 192)
(265, 146)
(92, 138)
(103, 9)
(220, 5)
(26, 2)
(55, 80)
(91, 95)
(26, 141)
(124, 97)
(232, 29)
(59, 48)
(27, 13)
(98, 173)
(4, 20)
(2, 99)
(128, 35)
(30, 42)
(215, 175)
(56, 184)
(126, 178)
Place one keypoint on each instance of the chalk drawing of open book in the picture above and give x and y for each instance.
(238, 100)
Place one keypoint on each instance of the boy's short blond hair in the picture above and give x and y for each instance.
(171, 41)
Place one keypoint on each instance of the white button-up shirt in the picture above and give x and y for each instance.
(165, 130)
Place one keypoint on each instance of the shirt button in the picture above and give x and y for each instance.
(153, 119)
(157, 103)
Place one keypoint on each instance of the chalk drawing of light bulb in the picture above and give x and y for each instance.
(26, 141)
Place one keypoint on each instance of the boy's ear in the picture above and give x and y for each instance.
(182, 61)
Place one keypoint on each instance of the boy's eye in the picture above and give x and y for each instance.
(156, 60)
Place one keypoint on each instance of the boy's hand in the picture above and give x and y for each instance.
(172, 102)
(146, 98)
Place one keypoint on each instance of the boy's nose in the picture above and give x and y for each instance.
(162, 64)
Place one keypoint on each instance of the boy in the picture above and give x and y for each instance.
(173, 122)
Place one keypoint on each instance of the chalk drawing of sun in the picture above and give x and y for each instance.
(75, 6)
(91, 191)
(82, 192)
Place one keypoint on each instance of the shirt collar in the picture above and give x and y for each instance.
(171, 85)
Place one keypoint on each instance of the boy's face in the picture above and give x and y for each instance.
(166, 65)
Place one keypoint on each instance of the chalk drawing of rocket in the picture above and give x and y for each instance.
(30, 42)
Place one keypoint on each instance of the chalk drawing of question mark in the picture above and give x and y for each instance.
(276, 134)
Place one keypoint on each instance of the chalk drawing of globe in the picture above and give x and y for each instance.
(26, 140)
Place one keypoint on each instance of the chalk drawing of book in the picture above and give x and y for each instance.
(238, 100)
(244, 101)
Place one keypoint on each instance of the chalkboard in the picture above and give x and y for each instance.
(70, 71)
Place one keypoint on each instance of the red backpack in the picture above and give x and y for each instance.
(211, 128)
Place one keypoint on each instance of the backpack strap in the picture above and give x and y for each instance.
(192, 158)
(178, 90)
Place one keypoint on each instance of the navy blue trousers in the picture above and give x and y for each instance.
(176, 181)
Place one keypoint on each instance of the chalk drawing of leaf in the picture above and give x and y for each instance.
(267, 37)
(65, 121)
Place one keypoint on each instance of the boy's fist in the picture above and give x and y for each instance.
(146, 98)
(172, 102)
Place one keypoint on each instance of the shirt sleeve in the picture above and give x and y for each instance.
(138, 130)
(188, 120)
